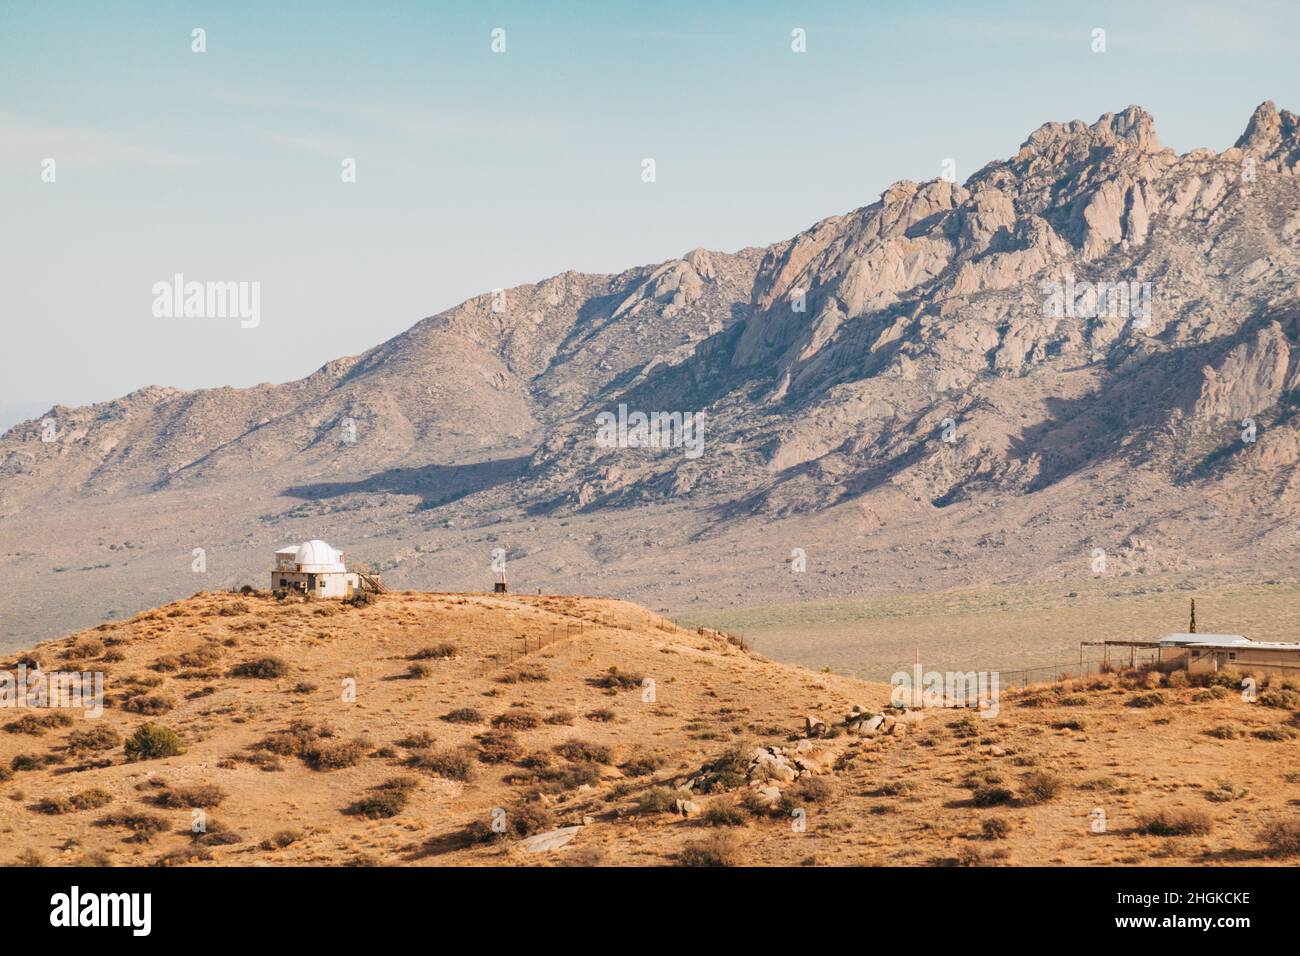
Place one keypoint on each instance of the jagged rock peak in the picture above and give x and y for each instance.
(1267, 128)
(1133, 126)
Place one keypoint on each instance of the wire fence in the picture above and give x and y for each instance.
(526, 644)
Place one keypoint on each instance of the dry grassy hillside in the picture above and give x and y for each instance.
(452, 721)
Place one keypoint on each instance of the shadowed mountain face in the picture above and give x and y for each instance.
(1094, 340)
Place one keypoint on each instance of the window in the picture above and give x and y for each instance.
(1232, 655)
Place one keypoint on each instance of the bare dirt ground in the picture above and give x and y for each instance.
(453, 726)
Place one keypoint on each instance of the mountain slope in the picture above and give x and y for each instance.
(1071, 341)
(398, 733)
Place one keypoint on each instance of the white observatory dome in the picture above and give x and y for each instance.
(316, 555)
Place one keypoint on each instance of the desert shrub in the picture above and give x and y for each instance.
(266, 668)
(166, 664)
(614, 679)
(718, 849)
(561, 718)
(1277, 697)
(602, 715)
(516, 720)
(1225, 791)
(521, 819)
(233, 609)
(994, 828)
(991, 795)
(1151, 699)
(421, 740)
(1274, 733)
(379, 805)
(1100, 783)
(657, 800)
(524, 675)
(30, 858)
(295, 740)
(584, 751)
(91, 799)
(85, 647)
(152, 742)
(281, 839)
(112, 657)
(498, 746)
(969, 856)
(452, 764)
(725, 815)
(463, 715)
(893, 788)
(641, 765)
(198, 795)
(435, 653)
(1175, 822)
(26, 762)
(143, 826)
(419, 670)
(201, 656)
(1177, 679)
(37, 724)
(1074, 723)
(53, 806)
(1226, 732)
(808, 790)
(305, 687)
(1282, 838)
(1039, 787)
(150, 705)
(1074, 700)
(334, 755)
(550, 778)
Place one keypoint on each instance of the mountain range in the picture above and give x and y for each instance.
(1086, 349)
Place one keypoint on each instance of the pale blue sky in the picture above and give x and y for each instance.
(478, 170)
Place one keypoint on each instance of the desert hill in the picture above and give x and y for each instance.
(606, 735)
(904, 393)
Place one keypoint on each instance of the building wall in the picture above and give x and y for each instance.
(327, 584)
(1273, 663)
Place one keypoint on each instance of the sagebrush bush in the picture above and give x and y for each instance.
(1282, 838)
(1151, 699)
(718, 849)
(152, 742)
(498, 746)
(991, 795)
(463, 715)
(615, 679)
(1175, 822)
(265, 668)
(452, 764)
(196, 795)
(516, 720)
(435, 653)
(581, 751)
(1039, 787)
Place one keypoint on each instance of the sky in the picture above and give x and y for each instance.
(478, 169)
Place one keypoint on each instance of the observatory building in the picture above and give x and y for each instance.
(314, 568)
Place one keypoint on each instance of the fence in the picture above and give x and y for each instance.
(530, 644)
